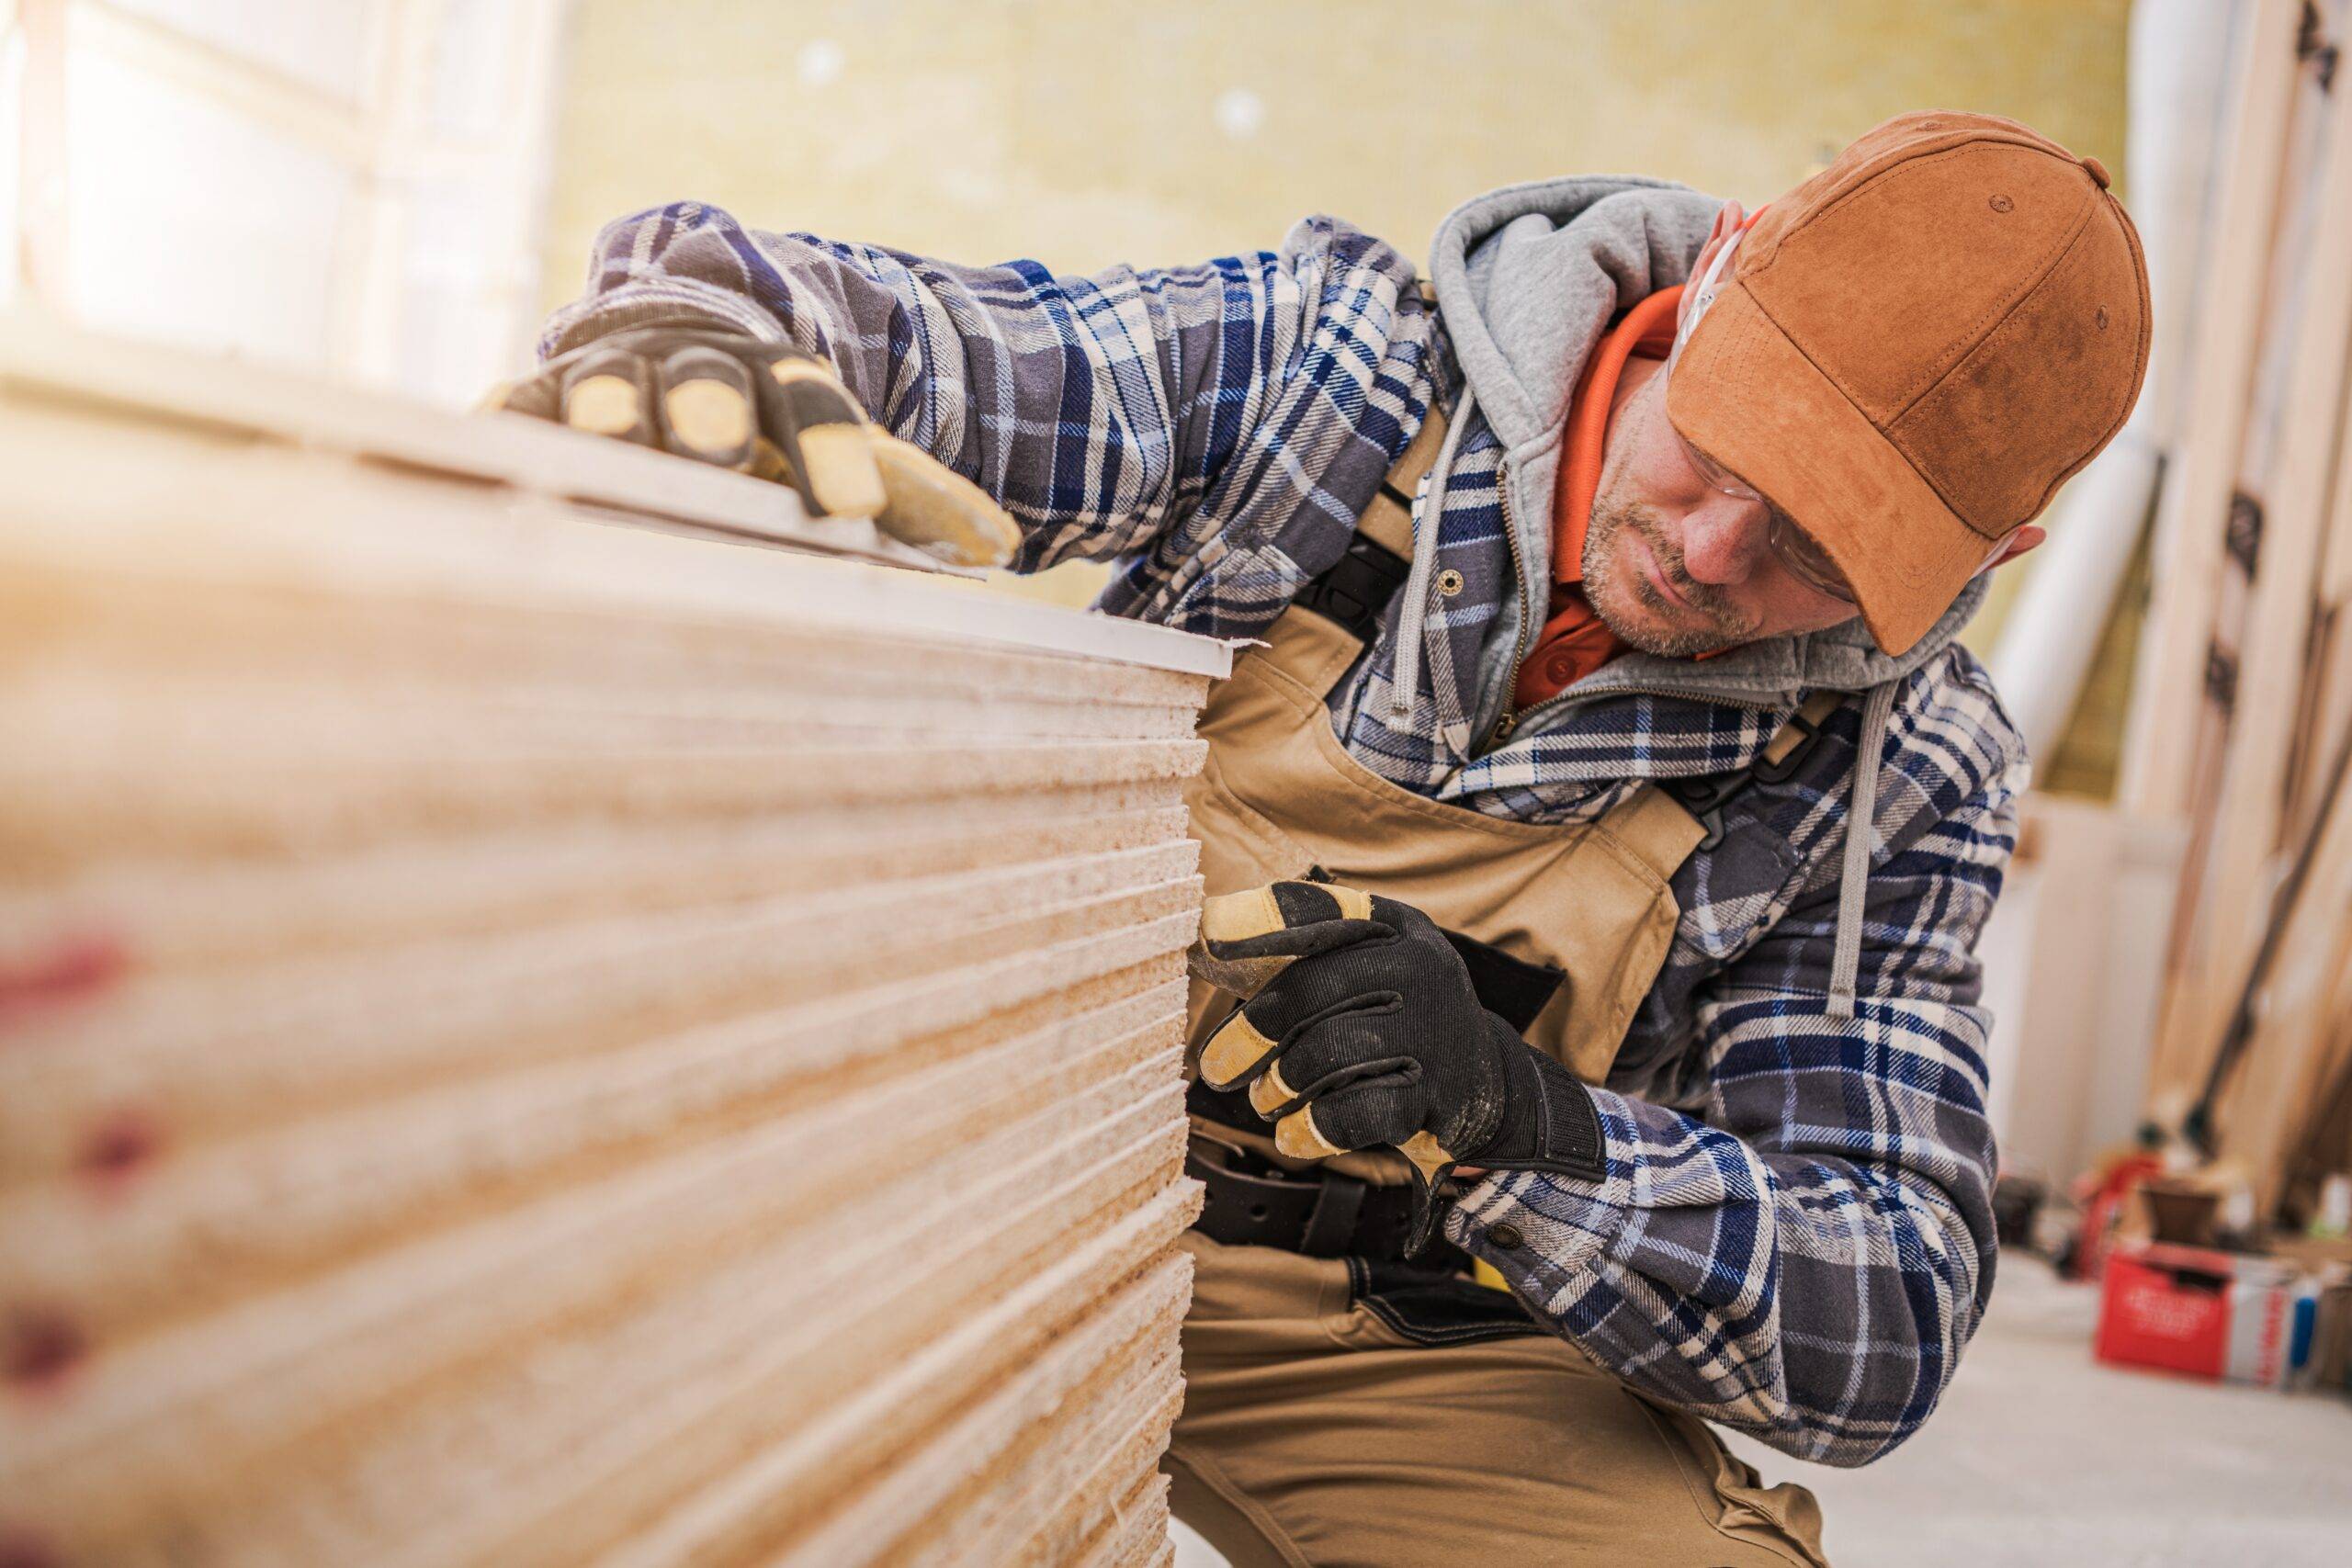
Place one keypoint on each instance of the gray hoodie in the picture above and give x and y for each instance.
(1528, 278)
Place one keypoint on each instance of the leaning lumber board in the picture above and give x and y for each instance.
(2287, 272)
(2284, 1063)
(521, 1022)
(2327, 709)
(2271, 659)
(2170, 678)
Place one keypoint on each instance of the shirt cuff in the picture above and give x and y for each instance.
(1537, 1228)
(665, 304)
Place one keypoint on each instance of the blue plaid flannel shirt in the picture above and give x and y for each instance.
(1795, 1234)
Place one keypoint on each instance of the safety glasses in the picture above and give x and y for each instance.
(1807, 561)
(1792, 546)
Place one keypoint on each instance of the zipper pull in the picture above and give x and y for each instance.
(1508, 722)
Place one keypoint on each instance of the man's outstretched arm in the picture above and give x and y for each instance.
(1223, 424)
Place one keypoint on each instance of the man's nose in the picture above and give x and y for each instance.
(1723, 539)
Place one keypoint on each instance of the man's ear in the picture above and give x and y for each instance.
(1728, 217)
(2025, 539)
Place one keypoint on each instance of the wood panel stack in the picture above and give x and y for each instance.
(526, 1037)
(2243, 695)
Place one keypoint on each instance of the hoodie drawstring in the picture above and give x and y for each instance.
(1862, 836)
(1405, 679)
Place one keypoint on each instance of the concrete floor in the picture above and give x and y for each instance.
(2042, 1456)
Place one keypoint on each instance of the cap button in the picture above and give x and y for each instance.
(2097, 172)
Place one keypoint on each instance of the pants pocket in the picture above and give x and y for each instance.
(1429, 1306)
(1786, 1518)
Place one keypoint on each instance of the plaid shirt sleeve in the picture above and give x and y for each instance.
(1802, 1254)
(1220, 425)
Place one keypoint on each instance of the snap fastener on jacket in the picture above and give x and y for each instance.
(2002, 204)
(1448, 583)
(1505, 1236)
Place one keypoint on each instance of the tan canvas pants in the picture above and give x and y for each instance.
(1315, 1433)
(1316, 1428)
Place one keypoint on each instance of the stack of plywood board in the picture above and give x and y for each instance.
(529, 1036)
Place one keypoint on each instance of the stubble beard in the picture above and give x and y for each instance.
(1613, 586)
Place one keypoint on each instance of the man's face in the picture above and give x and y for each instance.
(1675, 567)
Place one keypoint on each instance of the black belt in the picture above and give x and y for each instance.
(1253, 1202)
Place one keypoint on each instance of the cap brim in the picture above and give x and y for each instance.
(1749, 399)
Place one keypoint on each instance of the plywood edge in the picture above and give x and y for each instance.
(45, 365)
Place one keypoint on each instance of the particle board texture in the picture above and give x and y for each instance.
(532, 1033)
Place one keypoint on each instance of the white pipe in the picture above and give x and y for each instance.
(2052, 634)
(2178, 75)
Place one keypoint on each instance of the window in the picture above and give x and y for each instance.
(353, 188)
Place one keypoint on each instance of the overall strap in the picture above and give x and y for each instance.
(1354, 592)
(1663, 824)
(1704, 797)
(1388, 520)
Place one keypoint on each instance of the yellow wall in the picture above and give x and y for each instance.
(1088, 133)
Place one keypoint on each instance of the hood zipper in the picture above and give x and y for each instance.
(1508, 721)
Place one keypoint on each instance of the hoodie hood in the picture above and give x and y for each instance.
(1528, 278)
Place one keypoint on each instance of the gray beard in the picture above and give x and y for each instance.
(1600, 588)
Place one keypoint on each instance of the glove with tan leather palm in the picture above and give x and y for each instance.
(772, 410)
(1361, 1027)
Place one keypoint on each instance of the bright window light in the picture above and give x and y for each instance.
(321, 43)
(187, 222)
(12, 93)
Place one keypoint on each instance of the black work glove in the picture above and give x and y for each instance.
(1361, 1027)
(768, 410)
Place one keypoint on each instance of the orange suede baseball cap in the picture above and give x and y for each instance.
(1912, 350)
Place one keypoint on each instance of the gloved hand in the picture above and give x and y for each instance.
(1361, 1027)
(772, 410)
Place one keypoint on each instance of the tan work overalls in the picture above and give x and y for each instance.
(1314, 1431)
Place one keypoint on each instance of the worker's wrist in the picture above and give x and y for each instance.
(719, 314)
(1550, 1224)
(1545, 1118)
(1533, 1226)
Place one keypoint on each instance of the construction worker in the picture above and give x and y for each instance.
(1588, 1049)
